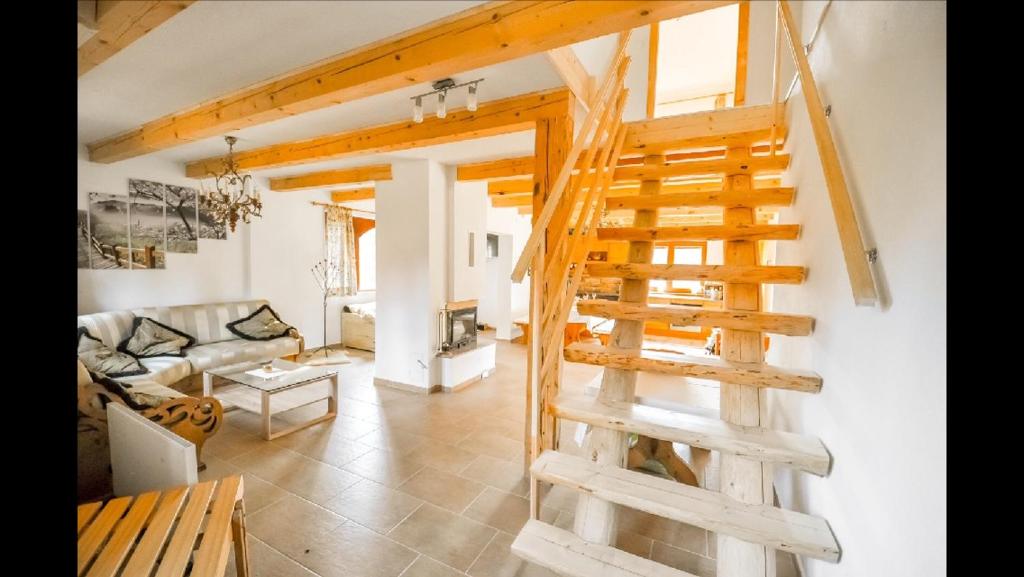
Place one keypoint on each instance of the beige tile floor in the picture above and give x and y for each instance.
(407, 485)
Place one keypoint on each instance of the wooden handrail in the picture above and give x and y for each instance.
(861, 281)
(612, 114)
(600, 102)
(577, 277)
(562, 269)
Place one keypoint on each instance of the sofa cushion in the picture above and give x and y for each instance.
(163, 370)
(205, 322)
(98, 357)
(135, 399)
(150, 338)
(262, 325)
(215, 355)
(110, 327)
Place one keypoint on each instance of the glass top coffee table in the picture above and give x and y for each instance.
(286, 376)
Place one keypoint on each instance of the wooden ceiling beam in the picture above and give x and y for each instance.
(508, 201)
(575, 76)
(514, 186)
(368, 193)
(504, 116)
(331, 177)
(118, 23)
(494, 169)
(482, 36)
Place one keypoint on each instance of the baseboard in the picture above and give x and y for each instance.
(467, 382)
(405, 387)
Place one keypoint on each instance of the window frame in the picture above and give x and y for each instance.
(671, 245)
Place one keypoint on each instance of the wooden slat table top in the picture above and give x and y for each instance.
(127, 535)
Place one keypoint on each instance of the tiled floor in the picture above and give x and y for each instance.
(407, 485)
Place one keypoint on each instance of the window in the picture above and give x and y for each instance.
(678, 253)
(367, 260)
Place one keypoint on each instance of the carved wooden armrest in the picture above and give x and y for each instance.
(195, 419)
(295, 334)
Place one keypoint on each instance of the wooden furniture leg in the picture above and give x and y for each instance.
(239, 535)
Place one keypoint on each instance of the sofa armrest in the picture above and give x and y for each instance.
(194, 419)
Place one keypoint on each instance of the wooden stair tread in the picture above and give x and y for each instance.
(755, 374)
(715, 272)
(784, 530)
(566, 554)
(703, 232)
(777, 323)
(777, 447)
(751, 165)
(754, 198)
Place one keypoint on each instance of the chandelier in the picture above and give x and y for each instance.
(235, 197)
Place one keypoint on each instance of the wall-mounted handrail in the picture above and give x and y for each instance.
(808, 47)
(861, 281)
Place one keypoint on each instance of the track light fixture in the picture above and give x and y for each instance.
(441, 88)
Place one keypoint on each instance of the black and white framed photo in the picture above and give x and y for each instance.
(108, 224)
(84, 241)
(147, 224)
(210, 228)
(182, 219)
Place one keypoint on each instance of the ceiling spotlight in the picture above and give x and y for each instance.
(441, 88)
(442, 110)
(417, 110)
(471, 99)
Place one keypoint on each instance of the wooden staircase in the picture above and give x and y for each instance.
(726, 164)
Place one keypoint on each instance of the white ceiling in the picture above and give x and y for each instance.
(213, 48)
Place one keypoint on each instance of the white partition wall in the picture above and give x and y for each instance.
(412, 272)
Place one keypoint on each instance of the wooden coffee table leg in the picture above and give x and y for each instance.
(265, 411)
(332, 401)
(207, 384)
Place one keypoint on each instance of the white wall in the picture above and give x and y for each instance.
(412, 274)
(469, 215)
(881, 412)
(509, 221)
(285, 244)
(219, 271)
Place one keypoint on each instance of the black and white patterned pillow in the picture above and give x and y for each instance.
(152, 339)
(99, 358)
(135, 400)
(262, 325)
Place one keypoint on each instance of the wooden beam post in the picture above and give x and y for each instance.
(595, 519)
(741, 478)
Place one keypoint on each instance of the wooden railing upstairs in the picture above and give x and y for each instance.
(857, 266)
(563, 242)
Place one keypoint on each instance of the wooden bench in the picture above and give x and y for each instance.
(575, 331)
(126, 535)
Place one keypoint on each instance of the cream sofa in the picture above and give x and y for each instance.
(215, 346)
(358, 322)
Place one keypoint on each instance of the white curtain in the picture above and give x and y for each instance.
(341, 249)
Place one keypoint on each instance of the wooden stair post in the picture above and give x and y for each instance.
(744, 479)
(595, 519)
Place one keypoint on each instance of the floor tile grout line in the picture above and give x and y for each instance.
(478, 555)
